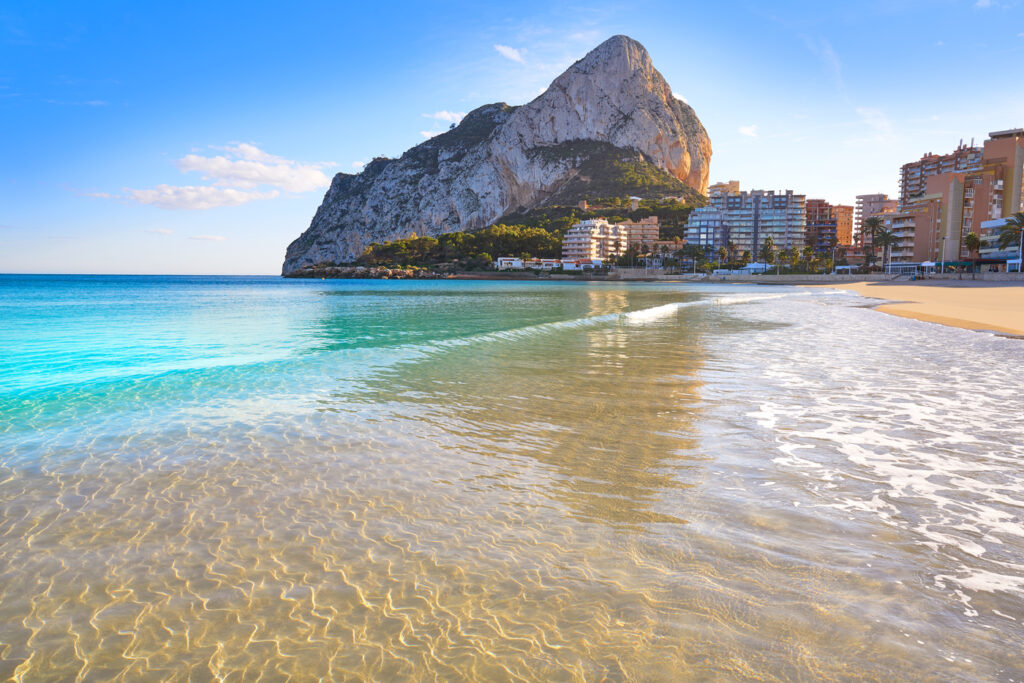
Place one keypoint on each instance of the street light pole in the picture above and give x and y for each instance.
(942, 267)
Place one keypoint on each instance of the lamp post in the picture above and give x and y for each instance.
(834, 247)
(942, 266)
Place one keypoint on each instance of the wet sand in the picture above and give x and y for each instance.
(968, 304)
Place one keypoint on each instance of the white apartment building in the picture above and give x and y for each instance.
(595, 238)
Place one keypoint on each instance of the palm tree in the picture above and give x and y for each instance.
(885, 239)
(871, 226)
(808, 256)
(731, 247)
(723, 253)
(1012, 231)
(693, 252)
(745, 257)
(973, 244)
(767, 251)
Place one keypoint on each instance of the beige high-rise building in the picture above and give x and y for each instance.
(643, 232)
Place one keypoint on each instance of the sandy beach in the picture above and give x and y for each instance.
(969, 304)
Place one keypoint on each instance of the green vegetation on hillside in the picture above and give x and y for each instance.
(531, 234)
(605, 170)
(469, 249)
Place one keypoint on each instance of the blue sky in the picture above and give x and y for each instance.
(185, 138)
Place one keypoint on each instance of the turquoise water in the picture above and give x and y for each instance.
(233, 477)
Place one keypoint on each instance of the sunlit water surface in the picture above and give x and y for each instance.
(256, 479)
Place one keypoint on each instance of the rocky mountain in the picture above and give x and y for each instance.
(608, 126)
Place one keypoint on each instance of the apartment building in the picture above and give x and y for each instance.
(828, 224)
(748, 218)
(950, 204)
(866, 206)
(914, 176)
(594, 238)
(643, 232)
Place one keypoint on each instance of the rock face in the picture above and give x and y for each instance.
(612, 104)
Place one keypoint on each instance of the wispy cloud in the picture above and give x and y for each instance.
(830, 60)
(194, 197)
(748, 131)
(246, 166)
(358, 164)
(444, 115)
(510, 53)
(430, 133)
(208, 238)
(983, 4)
(680, 98)
(235, 177)
(160, 231)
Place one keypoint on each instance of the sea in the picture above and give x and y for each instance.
(259, 479)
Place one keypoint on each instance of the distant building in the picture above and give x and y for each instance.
(594, 238)
(643, 232)
(729, 186)
(747, 219)
(828, 224)
(868, 205)
(509, 263)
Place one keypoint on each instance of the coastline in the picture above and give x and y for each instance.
(967, 304)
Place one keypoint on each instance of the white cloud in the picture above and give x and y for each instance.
(449, 116)
(982, 4)
(194, 197)
(749, 131)
(234, 177)
(680, 98)
(208, 238)
(510, 53)
(358, 164)
(430, 133)
(160, 231)
(246, 166)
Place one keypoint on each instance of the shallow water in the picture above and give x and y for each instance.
(243, 478)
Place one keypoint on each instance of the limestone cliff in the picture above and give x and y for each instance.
(611, 109)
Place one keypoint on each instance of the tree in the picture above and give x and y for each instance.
(745, 257)
(693, 252)
(767, 251)
(871, 227)
(723, 253)
(885, 239)
(808, 257)
(731, 247)
(973, 244)
(1012, 233)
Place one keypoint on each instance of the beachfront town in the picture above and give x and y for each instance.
(950, 213)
